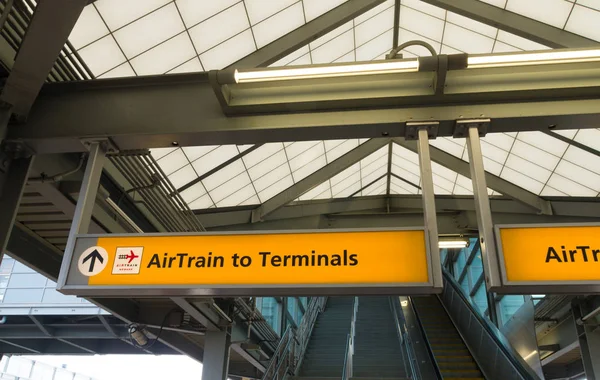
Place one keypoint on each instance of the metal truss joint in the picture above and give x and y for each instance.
(412, 129)
(16, 149)
(106, 144)
(461, 128)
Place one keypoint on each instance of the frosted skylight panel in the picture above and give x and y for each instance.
(522, 180)
(201, 202)
(219, 28)
(519, 42)
(374, 170)
(579, 175)
(527, 168)
(123, 70)
(214, 158)
(347, 182)
(350, 57)
(552, 12)
(278, 25)
(164, 57)
(466, 40)
(501, 47)
(582, 158)
(193, 65)
(375, 47)
(230, 187)
(455, 147)
(149, 31)
(552, 192)
(292, 57)
(444, 172)
(339, 150)
(173, 161)
(585, 21)
(309, 168)
(589, 137)
(374, 26)
(158, 153)
(240, 197)
(533, 154)
(277, 173)
(545, 142)
(258, 10)
(295, 149)
(376, 188)
(261, 155)
(443, 183)
(195, 152)
(569, 187)
(421, 23)
(381, 152)
(182, 176)
(225, 174)
(406, 35)
(323, 191)
(192, 193)
(89, 28)
(499, 140)
(118, 13)
(594, 4)
(315, 8)
(471, 24)
(425, 8)
(400, 187)
(229, 51)
(332, 50)
(568, 133)
(102, 55)
(195, 11)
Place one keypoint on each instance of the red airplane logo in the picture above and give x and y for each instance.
(132, 256)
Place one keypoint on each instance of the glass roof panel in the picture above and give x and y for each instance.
(164, 57)
(258, 10)
(553, 12)
(102, 55)
(89, 27)
(315, 8)
(118, 13)
(123, 70)
(584, 21)
(194, 11)
(220, 27)
(278, 25)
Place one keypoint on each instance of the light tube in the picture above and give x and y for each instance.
(294, 73)
(533, 58)
(453, 244)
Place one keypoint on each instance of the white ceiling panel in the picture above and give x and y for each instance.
(501, 47)
(220, 177)
(277, 161)
(473, 25)
(165, 56)
(500, 140)
(307, 156)
(589, 137)
(121, 71)
(191, 66)
(220, 27)
(372, 12)
(553, 12)
(193, 192)
(173, 161)
(229, 51)
(519, 42)
(527, 168)
(239, 197)
(421, 23)
(334, 49)
(182, 176)
(322, 191)
(278, 25)
(118, 13)
(466, 40)
(214, 158)
(102, 55)
(522, 180)
(293, 150)
(194, 11)
(309, 168)
(89, 28)
(375, 47)
(569, 187)
(374, 26)
(406, 170)
(545, 142)
(594, 4)
(149, 31)
(455, 147)
(202, 202)
(230, 187)
(195, 152)
(585, 21)
(552, 192)
(291, 57)
(582, 158)
(258, 10)
(315, 8)
(533, 154)
(270, 177)
(425, 8)
(331, 35)
(341, 149)
(579, 175)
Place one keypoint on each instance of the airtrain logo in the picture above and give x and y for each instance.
(128, 260)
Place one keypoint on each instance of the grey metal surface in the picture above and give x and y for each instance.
(515, 23)
(589, 339)
(491, 350)
(429, 210)
(216, 355)
(318, 177)
(306, 33)
(520, 332)
(132, 114)
(46, 36)
(493, 182)
(424, 360)
(483, 211)
(82, 216)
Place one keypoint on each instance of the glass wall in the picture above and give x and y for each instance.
(272, 309)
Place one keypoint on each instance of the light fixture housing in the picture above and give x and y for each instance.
(544, 57)
(453, 243)
(326, 71)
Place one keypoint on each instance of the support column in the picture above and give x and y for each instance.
(586, 323)
(483, 211)
(215, 364)
(85, 204)
(11, 190)
(429, 206)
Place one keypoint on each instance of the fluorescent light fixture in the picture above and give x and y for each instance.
(458, 243)
(530, 355)
(533, 58)
(404, 303)
(327, 71)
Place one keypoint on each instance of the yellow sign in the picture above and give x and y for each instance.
(550, 254)
(365, 258)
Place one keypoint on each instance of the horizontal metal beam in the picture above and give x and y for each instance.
(215, 219)
(315, 179)
(494, 182)
(305, 34)
(515, 23)
(151, 112)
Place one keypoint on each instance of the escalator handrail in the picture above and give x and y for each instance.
(426, 340)
(405, 340)
(513, 357)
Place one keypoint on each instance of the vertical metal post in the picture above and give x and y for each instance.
(589, 339)
(85, 205)
(429, 210)
(216, 355)
(11, 192)
(483, 211)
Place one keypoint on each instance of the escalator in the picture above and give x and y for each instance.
(454, 361)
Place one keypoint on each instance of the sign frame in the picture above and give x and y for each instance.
(541, 287)
(251, 290)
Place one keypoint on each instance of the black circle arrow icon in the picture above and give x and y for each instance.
(92, 257)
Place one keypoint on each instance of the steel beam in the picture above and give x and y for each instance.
(216, 363)
(133, 112)
(46, 35)
(11, 191)
(577, 144)
(305, 34)
(494, 182)
(338, 165)
(515, 23)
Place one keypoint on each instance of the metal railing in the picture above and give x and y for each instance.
(405, 341)
(290, 351)
(347, 371)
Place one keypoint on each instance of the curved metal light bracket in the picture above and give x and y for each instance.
(394, 53)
